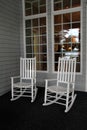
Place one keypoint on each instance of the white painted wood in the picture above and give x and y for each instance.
(64, 86)
(9, 42)
(86, 52)
(26, 85)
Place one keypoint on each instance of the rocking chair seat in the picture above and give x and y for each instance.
(59, 89)
(22, 85)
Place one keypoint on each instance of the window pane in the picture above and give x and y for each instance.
(42, 9)
(75, 16)
(42, 21)
(35, 32)
(29, 55)
(57, 29)
(42, 66)
(43, 48)
(66, 28)
(66, 4)
(36, 49)
(57, 38)
(57, 19)
(43, 39)
(42, 2)
(29, 49)
(35, 7)
(66, 34)
(43, 57)
(27, 8)
(35, 22)
(42, 30)
(27, 12)
(67, 37)
(78, 67)
(28, 23)
(36, 41)
(75, 3)
(76, 25)
(66, 18)
(57, 5)
(27, 5)
(28, 32)
(42, 6)
(28, 40)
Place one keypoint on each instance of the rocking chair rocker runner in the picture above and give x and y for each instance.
(25, 84)
(62, 90)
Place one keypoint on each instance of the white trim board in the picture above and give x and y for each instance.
(86, 52)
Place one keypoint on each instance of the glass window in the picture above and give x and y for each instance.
(65, 4)
(67, 29)
(33, 7)
(35, 32)
(36, 41)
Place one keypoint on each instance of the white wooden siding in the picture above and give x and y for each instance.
(9, 42)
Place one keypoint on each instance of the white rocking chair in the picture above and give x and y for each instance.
(25, 84)
(61, 90)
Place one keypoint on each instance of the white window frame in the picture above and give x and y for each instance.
(62, 12)
(30, 17)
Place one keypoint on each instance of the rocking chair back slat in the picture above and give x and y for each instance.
(27, 68)
(66, 70)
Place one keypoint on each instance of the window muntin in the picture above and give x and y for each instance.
(36, 41)
(33, 7)
(35, 32)
(60, 25)
(67, 37)
(65, 4)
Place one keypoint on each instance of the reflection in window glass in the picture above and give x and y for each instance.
(57, 5)
(42, 9)
(28, 23)
(66, 18)
(35, 32)
(67, 37)
(75, 16)
(42, 21)
(42, 2)
(70, 35)
(66, 4)
(33, 7)
(36, 41)
(57, 19)
(75, 3)
(42, 30)
(35, 22)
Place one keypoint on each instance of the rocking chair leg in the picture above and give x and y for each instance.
(32, 94)
(45, 98)
(12, 87)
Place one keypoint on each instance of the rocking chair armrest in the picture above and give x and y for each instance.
(14, 77)
(47, 81)
(50, 79)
